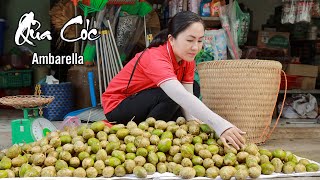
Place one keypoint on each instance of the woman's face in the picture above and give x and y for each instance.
(188, 42)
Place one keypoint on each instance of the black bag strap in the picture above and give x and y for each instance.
(134, 68)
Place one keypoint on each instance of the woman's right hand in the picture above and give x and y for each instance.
(234, 137)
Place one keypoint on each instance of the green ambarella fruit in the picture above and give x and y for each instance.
(131, 125)
(65, 173)
(267, 168)
(205, 128)
(87, 162)
(140, 160)
(252, 149)
(212, 172)
(167, 135)
(200, 171)
(304, 161)
(177, 158)
(241, 174)
(180, 133)
(278, 164)
(97, 126)
(3, 174)
(299, 168)
(211, 141)
(13, 151)
(218, 160)
(65, 139)
(157, 132)
(150, 168)
(49, 171)
(18, 161)
(129, 165)
(129, 139)
(161, 167)
(64, 155)
(119, 154)
(187, 139)
(92, 141)
(196, 160)
(143, 125)
(255, 172)
(88, 133)
(130, 156)
(83, 155)
(91, 172)
(312, 167)
(160, 124)
(289, 156)
(198, 147)
(142, 152)
(186, 162)
(141, 142)
(23, 169)
(207, 163)
(264, 159)
(205, 153)
(230, 159)
(204, 136)
(151, 121)
(113, 162)
(288, 168)
(174, 150)
(161, 157)
(196, 139)
(170, 166)
(32, 173)
(122, 133)
(241, 156)
(164, 145)
(120, 171)
(187, 173)
(154, 139)
(79, 172)
(227, 172)
(113, 138)
(213, 149)
(230, 149)
(108, 172)
(181, 120)
(11, 174)
(173, 128)
(99, 166)
(279, 153)
(49, 161)
(153, 158)
(140, 172)
(187, 151)
(152, 148)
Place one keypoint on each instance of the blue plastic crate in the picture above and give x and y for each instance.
(63, 101)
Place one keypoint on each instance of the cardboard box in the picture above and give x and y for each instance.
(308, 83)
(301, 70)
(273, 39)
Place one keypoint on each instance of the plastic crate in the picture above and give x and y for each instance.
(15, 78)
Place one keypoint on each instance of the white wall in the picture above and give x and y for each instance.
(262, 9)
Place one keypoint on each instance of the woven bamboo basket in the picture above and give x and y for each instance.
(244, 92)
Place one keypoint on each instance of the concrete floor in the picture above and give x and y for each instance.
(308, 146)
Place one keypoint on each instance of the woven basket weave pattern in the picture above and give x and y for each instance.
(244, 92)
(26, 101)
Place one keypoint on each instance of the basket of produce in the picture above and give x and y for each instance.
(26, 101)
(244, 92)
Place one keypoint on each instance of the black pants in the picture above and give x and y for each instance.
(148, 103)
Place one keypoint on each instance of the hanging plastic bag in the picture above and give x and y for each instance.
(215, 44)
(304, 11)
(288, 12)
(242, 23)
(230, 25)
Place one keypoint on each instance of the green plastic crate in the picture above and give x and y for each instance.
(15, 78)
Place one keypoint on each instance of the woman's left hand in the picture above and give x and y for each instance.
(234, 137)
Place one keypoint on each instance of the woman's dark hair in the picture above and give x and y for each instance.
(177, 24)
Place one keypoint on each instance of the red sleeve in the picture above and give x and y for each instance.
(189, 73)
(157, 67)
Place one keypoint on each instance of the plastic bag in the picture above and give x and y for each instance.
(288, 12)
(205, 8)
(215, 44)
(230, 25)
(300, 106)
(243, 22)
(304, 11)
